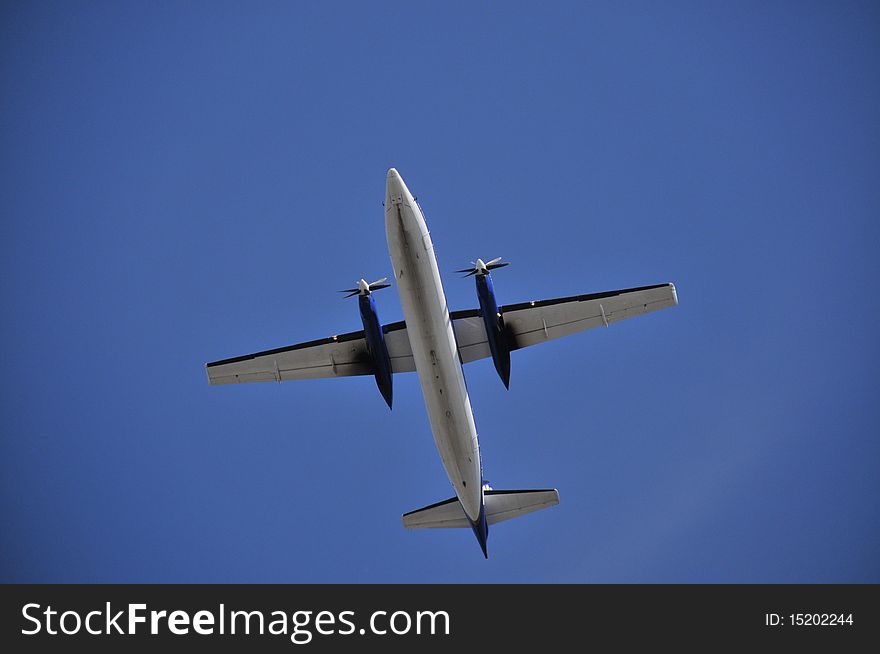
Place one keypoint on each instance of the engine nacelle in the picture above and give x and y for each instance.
(494, 324)
(375, 338)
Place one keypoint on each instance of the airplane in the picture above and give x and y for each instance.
(435, 343)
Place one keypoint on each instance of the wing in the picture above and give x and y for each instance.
(337, 356)
(526, 324)
(529, 323)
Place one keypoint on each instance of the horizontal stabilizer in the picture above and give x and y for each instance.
(500, 505)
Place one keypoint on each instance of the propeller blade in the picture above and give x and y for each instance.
(365, 289)
(484, 268)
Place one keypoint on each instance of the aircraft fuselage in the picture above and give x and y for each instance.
(434, 347)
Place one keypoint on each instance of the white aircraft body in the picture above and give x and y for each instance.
(435, 343)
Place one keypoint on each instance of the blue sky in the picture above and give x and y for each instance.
(183, 182)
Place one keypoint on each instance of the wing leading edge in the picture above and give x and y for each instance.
(530, 323)
(344, 355)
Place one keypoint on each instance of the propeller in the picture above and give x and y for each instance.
(364, 288)
(481, 268)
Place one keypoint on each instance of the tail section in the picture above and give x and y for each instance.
(443, 515)
(503, 505)
(498, 505)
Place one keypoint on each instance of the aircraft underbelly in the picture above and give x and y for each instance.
(434, 349)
